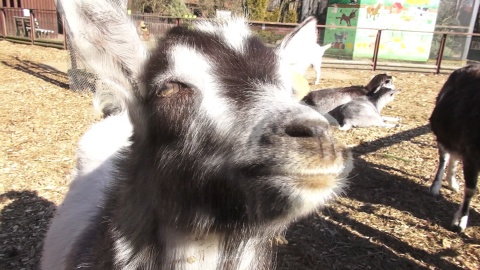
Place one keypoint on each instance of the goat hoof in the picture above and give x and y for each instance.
(345, 127)
(457, 229)
(391, 119)
(459, 223)
(434, 191)
(454, 187)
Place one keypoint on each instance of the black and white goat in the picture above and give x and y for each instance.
(364, 111)
(455, 123)
(325, 100)
(211, 157)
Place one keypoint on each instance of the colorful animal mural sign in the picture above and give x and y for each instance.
(342, 39)
(398, 20)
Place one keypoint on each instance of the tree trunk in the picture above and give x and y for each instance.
(309, 7)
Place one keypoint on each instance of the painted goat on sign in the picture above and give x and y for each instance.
(455, 123)
(210, 157)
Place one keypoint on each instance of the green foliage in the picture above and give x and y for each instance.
(209, 7)
(177, 8)
(288, 12)
(291, 17)
(256, 9)
(273, 16)
(268, 36)
(174, 8)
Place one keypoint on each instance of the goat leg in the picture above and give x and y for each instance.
(451, 169)
(470, 173)
(390, 119)
(443, 159)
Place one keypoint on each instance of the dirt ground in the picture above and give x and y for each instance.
(385, 220)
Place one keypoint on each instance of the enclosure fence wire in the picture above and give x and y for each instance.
(81, 77)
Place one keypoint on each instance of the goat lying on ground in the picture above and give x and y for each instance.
(311, 56)
(364, 111)
(455, 123)
(211, 157)
(325, 100)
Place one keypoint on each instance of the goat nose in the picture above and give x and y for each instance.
(305, 128)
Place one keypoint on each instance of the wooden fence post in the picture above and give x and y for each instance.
(3, 23)
(64, 33)
(440, 53)
(32, 27)
(375, 50)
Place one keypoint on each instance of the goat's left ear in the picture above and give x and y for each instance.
(300, 39)
(375, 90)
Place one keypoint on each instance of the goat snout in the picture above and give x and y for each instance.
(305, 128)
(303, 145)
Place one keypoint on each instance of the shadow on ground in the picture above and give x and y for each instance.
(326, 243)
(41, 71)
(23, 226)
(332, 240)
(336, 240)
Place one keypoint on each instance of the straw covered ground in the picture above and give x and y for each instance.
(385, 220)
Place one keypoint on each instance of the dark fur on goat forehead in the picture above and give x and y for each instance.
(241, 60)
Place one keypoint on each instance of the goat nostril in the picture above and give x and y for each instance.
(298, 130)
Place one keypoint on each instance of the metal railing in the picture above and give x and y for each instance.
(441, 51)
(442, 41)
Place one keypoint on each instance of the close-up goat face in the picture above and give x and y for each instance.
(206, 153)
(223, 101)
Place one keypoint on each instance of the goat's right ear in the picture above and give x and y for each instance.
(300, 39)
(102, 35)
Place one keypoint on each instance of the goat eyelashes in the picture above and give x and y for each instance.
(183, 177)
(171, 88)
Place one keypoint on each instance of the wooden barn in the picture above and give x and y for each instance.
(18, 16)
(29, 4)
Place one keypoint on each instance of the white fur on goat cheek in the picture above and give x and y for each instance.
(204, 174)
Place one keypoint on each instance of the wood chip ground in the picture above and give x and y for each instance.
(386, 219)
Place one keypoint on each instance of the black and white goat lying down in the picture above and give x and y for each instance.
(211, 157)
(355, 106)
(365, 111)
(325, 100)
(455, 123)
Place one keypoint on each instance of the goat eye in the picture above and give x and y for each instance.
(170, 89)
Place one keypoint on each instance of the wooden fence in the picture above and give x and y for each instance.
(35, 27)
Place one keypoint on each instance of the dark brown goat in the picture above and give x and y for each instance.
(455, 121)
(325, 100)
